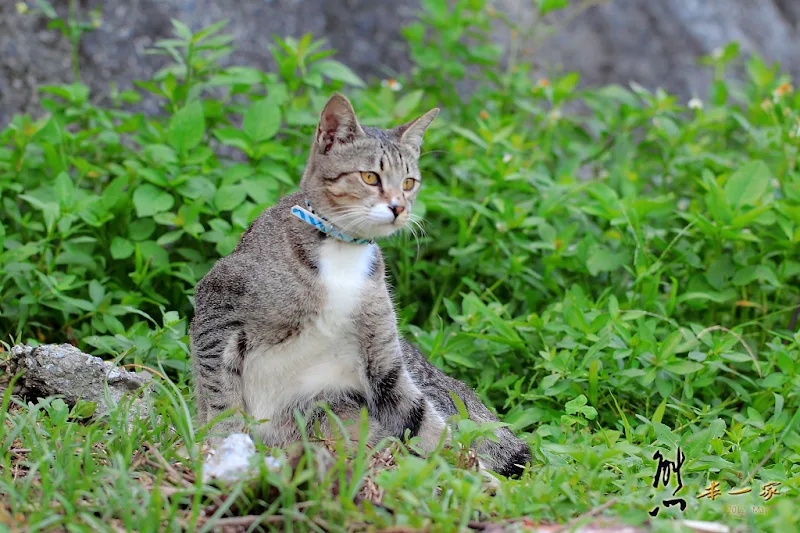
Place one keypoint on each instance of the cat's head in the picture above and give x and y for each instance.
(364, 180)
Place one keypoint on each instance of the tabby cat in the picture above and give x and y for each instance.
(300, 313)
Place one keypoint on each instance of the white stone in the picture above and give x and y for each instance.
(233, 460)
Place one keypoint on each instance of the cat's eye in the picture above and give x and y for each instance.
(408, 184)
(370, 178)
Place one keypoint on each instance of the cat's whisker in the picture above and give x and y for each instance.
(353, 226)
(418, 221)
(346, 209)
(413, 232)
(419, 236)
(434, 152)
(415, 222)
(341, 217)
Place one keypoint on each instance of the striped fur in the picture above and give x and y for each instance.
(293, 318)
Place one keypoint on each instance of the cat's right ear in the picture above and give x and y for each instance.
(337, 124)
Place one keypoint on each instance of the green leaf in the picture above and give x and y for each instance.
(83, 409)
(230, 197)
(262, 120)
(197, 187)
(578, 406)
(603, 259)
(154, 253)
(659, 413)
(546, 6)
(573, 406)
(684, 367)
(170, 237)
(262, 189)
(571, 420)
(439, 8)
(64, 189)
(460, 407)
(548, 381)
(236, 75)
(666, 436)
(226, 245)
(236, 138)
(186, 128)
(121, 248)
(670, 345)
(337, 71)
(181, 29)
(47, 9)
(747, 185)
(150, 200)
(408, 103)
(96, 291)
(470, 135)
(460, 360)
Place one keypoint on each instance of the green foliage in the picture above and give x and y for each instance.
(613, 282)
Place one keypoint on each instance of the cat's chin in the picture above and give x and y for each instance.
(377, 231)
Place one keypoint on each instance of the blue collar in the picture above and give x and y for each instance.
(324, 225)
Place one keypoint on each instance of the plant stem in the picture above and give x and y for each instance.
(75, 38)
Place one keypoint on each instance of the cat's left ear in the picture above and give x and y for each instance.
(337, 123)
(412, 132)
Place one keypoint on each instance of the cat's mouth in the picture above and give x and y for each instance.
(384, 229)
(378, 221)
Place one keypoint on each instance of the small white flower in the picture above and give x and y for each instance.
(554, 115)
(695, 103)
(392, 84)
(506, 157)
(716, 53)
(683, 204)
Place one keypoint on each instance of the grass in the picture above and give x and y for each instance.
(615, 283)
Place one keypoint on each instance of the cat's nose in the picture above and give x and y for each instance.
(396, 209)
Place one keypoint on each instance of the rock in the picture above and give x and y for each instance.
(64, 370)
(659, 43)
(366, 35)
(617, 41)
(233, 460)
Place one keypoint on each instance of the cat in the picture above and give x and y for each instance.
(300, 312)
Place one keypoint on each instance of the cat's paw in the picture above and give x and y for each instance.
(490, 481)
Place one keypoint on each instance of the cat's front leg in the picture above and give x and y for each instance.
(397, 404)
(392, 397)
(218, 354)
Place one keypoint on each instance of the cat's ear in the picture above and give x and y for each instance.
(337, 123)
(412, 132)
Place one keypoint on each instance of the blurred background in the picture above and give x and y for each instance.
(657, 43)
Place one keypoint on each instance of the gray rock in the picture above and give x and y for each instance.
(366, 34)
(65, 371)
(659, 43)
(656, 43)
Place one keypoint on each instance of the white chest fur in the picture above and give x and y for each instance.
(324, 356)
